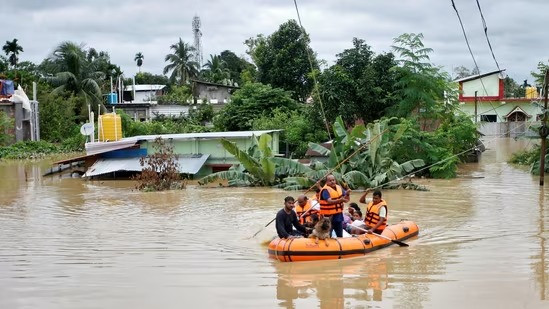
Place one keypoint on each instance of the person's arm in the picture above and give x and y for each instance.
(326, 196)
(296, 223)
(280, 226)
(363, 197)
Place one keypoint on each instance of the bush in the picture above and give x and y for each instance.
(56, 115)
(6, 123)
(28, 150)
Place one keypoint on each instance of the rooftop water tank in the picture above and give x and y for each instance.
(112, 98)
(110, 127)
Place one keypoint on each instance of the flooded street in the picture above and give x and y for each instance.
(71, 243)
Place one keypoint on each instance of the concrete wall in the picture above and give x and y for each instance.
(499, 109)
(491, 83)
(26, 124)
(212, 93)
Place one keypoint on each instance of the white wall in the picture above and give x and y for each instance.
(491, 83)
(169, 110)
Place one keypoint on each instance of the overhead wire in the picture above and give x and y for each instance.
(313, 72)
(485, 27)
(474, 61)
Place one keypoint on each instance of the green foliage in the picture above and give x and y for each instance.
(177, 95)
(216, 71)
(368, 150)
(359, 86)
(282, 59)
(6, 123)
(512, 89)
(236, 66)
(201, 113)
(12, 50)
(455, 135)
(298, 128)
(250, 102)
(181, 65)
(422, 87)
(139, 60)
(530, 157)
(56, 115)
(540, 74)
(160, 125)
(146, 78)
(29, 150)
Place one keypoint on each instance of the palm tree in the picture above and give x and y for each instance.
(75, 74)
(139, 58)
(216, 71)
(181, 64)
(12, 48)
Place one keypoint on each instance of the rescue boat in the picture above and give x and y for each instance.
(305, 249)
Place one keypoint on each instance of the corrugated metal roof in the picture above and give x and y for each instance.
(97, 147)
(188, 164)
(477, 76)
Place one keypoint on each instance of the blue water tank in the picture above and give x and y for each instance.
(112, 98)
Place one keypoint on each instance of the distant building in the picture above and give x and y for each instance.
(216, 94)
(498, 115)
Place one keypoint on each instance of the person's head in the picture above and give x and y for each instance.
(331, 181)
(351, 210)
(302, 200)
(289, 203)
(357, 215)
(354, 206)
(376, 197)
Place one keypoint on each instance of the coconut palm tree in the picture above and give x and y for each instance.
(139, 58)
(12, 50)
(216, 71)
(75, 74)
(180, 63)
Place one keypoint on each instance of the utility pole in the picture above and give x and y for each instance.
(543, 131)
(476, 106)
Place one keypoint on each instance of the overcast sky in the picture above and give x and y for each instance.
(125, 27)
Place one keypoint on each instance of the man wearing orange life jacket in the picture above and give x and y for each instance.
(305, 210)
(376, 212)
(331, 201)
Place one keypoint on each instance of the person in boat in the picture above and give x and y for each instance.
(286, 218)
(331, 201)
(306, 209)
(357, 223)
(376, 213)
(348, 217)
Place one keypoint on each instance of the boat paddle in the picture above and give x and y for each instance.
(398, 242)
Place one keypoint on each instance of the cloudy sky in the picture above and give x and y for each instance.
(125, 27)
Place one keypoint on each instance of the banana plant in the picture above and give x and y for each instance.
(258, 166)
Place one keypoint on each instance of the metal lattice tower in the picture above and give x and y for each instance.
(197, 41)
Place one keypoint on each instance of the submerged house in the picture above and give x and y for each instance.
(198, 154)
(482, 97)
(21, 112)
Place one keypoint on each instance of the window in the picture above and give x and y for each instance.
(489, 118)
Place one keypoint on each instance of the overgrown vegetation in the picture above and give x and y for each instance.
(160, 169)
(531, 158)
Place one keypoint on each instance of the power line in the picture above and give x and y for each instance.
(486, 34)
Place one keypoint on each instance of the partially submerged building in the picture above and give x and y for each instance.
(198, 154)
(21, 111)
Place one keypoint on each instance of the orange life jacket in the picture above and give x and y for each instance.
(301, 210)
(372, 215)
(327, 209)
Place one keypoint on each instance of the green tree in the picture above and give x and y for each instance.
(282, 59)
(236, 66)
(176, 95)
(143, 78)
(252, 101)
(298, 128)
(75, 75)
(6, 124)
(181, 65)
(12, 50)
(540, 74)
(512, 89)
(139, 60)
(57, 116)
(360, 86)
(422, 87)
(216, 71)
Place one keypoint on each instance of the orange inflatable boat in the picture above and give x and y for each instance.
(305, 249)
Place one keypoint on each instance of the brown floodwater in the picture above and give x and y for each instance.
(71, 243)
